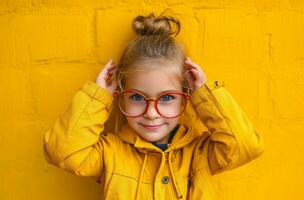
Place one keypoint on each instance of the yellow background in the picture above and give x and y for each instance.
(49, 48)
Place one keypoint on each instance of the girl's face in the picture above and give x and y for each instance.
(151, 126)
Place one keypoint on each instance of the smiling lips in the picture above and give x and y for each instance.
(151, 127)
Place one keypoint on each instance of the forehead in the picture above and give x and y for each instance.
(153, 82)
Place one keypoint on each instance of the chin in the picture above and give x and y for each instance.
(154, 139)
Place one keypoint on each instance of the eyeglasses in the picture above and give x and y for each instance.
(133, 103)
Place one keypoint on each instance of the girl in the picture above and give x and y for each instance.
(161, 150)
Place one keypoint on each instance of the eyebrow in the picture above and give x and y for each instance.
(157, 93)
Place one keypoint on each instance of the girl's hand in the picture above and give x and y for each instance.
(105, 78)
(194, 75)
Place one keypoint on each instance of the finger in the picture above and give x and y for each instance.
(200, 71)
(189, 76)
(109, 64)
(110, 61)
(110, 74)
(112, 71)
(188, 62)
(199, 77)
(195, 73)
(108, 67)
(106, 77)
(188, 58)
(112, 68)
(109, 78)
(187, 66)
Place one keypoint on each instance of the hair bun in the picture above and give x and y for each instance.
(152, 25)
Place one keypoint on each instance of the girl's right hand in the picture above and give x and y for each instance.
(105, 78)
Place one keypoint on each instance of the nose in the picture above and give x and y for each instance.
(151, 112)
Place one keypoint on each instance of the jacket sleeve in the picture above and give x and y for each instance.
(73, 143)
(233, 141)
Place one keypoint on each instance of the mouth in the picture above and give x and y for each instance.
(151, 127)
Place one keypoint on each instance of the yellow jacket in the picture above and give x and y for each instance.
(220, 137)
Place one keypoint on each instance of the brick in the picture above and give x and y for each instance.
(29, 4)
(231, 37)
(191, 35)
(285, 91)
(110, 42)
(268, 5)
(278, 136)
(13, 48)
(262, 5)
(241, 82)
(113, 33)
(279, 94)
(69, 3)
(15, 93)
(53, 86)
(45, 38)
(294, 5)
(216, 3)
(16, 3)
(285, 32)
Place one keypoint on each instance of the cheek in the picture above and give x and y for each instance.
(132, 120)
(172, 121)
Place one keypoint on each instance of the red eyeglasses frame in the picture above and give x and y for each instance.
(186, 96)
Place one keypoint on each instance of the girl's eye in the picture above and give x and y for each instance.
(167, 97)
(137, 97)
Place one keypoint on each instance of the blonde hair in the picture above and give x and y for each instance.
(154, 44)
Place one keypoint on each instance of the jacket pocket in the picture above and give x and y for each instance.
(124, 187)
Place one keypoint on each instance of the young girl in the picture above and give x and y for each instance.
(160, 151)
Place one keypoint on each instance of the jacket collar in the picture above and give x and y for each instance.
(184, 136)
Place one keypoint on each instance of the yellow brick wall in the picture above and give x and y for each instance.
(49, 48)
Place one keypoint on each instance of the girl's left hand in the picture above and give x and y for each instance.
(194, 75)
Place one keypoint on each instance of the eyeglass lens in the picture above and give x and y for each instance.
(168, 105)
